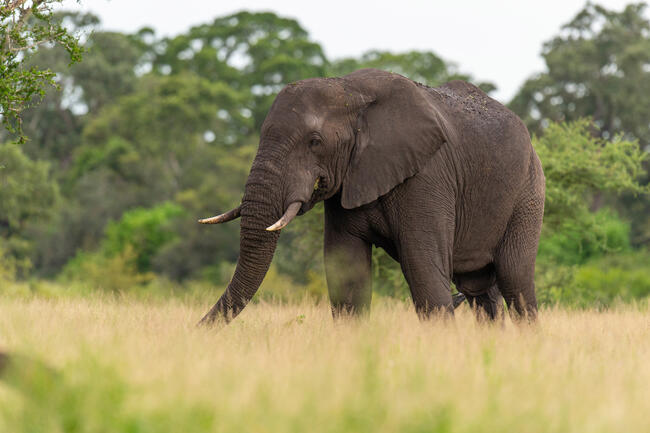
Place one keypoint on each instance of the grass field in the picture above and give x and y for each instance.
(114, 364)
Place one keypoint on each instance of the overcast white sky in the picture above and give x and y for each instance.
(499, 40)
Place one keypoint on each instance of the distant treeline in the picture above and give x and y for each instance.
(147, 134)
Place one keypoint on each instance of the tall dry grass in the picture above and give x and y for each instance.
(110, 365)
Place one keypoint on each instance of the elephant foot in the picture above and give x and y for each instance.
(458, 299)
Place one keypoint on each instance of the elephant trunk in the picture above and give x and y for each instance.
(256, 252)
(260, 208)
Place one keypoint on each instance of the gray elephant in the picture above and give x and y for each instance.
(444, 179)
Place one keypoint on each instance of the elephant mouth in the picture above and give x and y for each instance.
(319, 193)
(320, 189)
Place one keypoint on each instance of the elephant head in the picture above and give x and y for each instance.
(360, 135)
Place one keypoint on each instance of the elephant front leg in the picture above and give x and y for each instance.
(347, 268)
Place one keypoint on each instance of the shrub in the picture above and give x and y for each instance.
(574, 242)
(598, 283)
(143, 231)
(578, 165)
(7, 267)
(98, 271)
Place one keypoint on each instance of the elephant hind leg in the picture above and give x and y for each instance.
(482, 293)
(515, 259)
(488, 305)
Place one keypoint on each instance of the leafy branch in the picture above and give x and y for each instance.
(24, 26)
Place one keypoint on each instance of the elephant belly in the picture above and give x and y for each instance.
(476, 239)
(481, 222)
(475, 283)
(470, 261)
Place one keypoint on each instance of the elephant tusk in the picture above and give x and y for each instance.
(224, 217)
(289, 214)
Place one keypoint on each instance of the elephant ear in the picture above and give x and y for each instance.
(397, 133)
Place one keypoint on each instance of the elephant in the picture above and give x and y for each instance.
(444, 179)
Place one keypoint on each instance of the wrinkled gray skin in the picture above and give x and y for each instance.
(444, 179)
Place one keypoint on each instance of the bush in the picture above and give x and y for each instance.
(578, 165)
(599, 283)
(7, 267)
(574, 261)
(143, 231)
(575, 242)
(98, 271)
(124, 258)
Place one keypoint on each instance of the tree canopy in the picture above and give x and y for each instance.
(597, 67)
(24, 27)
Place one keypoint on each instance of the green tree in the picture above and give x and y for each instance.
(27, 197)
(251, 52)
(178, 138)
(26, 190)
(144, 231)
(596, 67)
(578, 165)
(575, 238)
(24, 26)
(107, 73)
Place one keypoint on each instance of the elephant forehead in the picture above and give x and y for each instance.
(320, 85)
(315, 92)
(313, 120)
(309, 117)
(309, 103)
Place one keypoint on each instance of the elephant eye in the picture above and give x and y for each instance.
(315, 142)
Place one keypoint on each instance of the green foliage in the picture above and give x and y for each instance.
(168, 110)
(387, 276)
(25, 25)
(108, 70)
(252, 52)
(574, 242)
(300, 248)
(107, 73)
(7, 267)
(143, 231)
(597, 67)
(577, 164)
(98, 271)
(281, 288)
(259, 45)
(124, 259)
(26, 190)
(575, 238)
(27, 198)
(600, 283)
(84, 397)
(184, 133)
